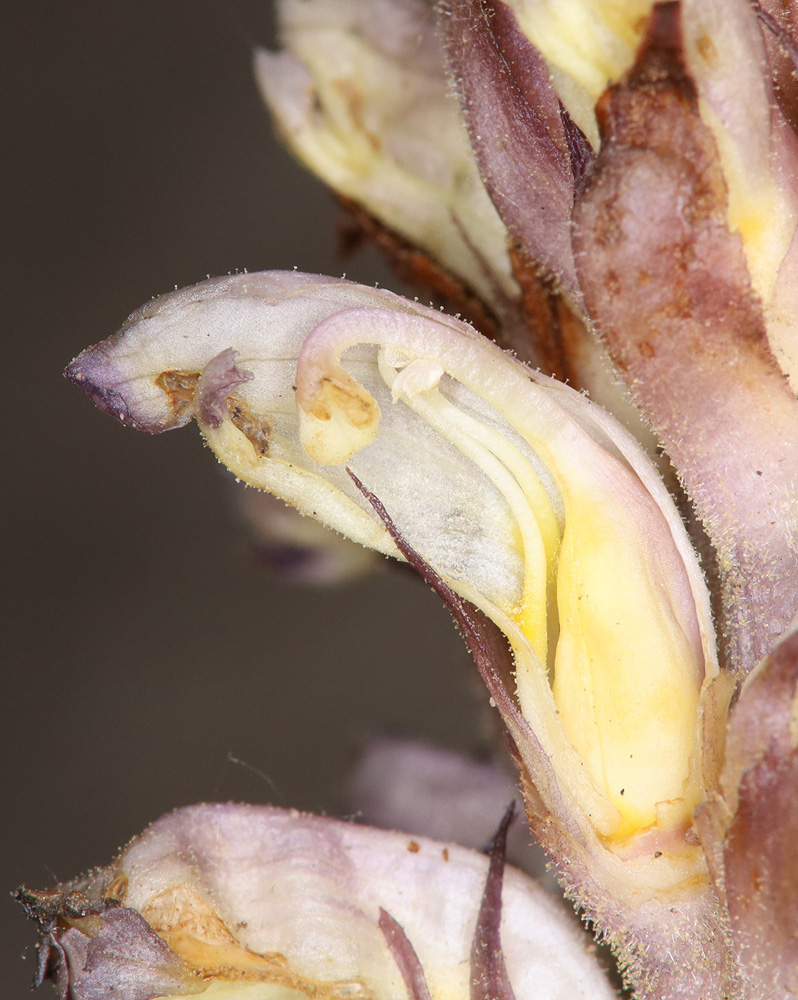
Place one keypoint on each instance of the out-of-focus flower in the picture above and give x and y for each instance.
(295, 548)
(407, 784)
(643, 172)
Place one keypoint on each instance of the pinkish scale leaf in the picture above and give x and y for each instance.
(668, 286)
(513, 117)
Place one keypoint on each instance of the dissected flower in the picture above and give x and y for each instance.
(525, 497)
(625, 216)
(245, 902)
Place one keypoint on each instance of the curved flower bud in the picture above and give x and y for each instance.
(529, 500)
(240, 902)
(360, 95)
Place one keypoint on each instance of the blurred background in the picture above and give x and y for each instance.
(149, 661)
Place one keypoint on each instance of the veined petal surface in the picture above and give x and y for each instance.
(530, 500)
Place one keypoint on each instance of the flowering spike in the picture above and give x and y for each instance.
(641, 159)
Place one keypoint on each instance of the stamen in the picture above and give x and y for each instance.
(514, 477)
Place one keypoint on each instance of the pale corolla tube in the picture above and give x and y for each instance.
(624, 215)
(527, 499)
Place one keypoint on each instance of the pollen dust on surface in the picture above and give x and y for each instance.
(256, 429)
(180, 388)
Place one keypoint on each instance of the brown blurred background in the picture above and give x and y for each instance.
(144, 649)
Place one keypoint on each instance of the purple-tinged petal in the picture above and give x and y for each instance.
(513, 118)
(489, 978)
(409, 784)
(218, 379)
(126, 960)
(668, 287)
(94, 949)
(152, 387)
(97, 376)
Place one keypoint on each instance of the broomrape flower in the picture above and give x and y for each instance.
(623, 216)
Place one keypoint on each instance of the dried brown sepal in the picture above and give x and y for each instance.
(180, 388)
(559, 336)
(667, 285)
(255, 429)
